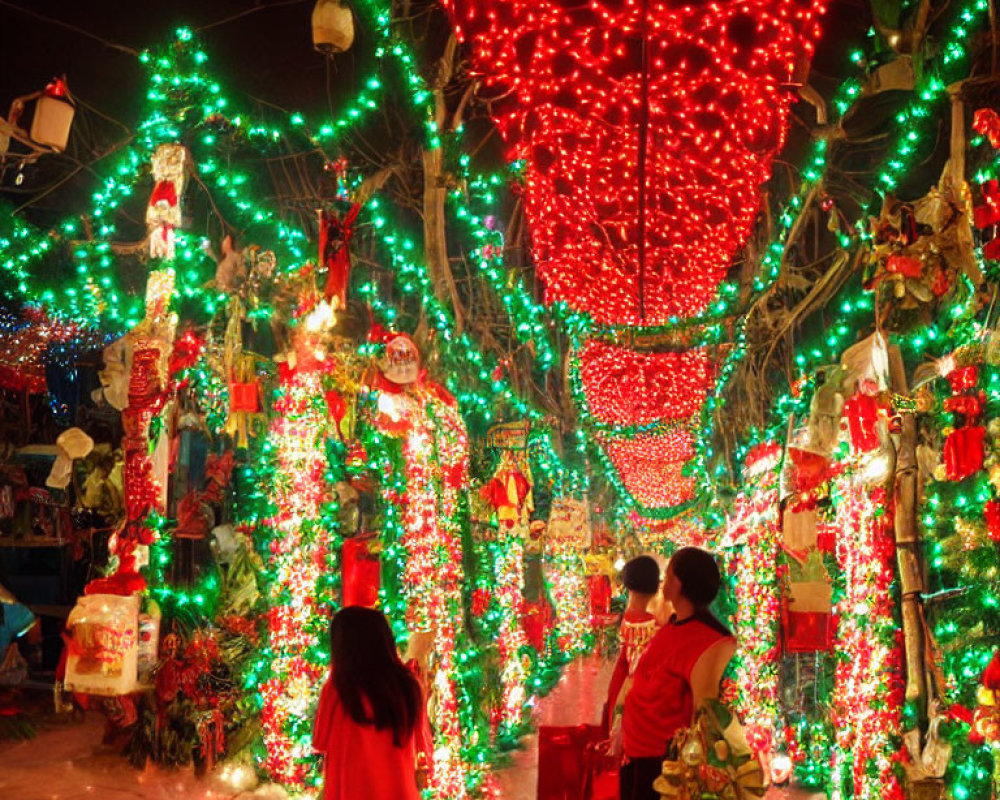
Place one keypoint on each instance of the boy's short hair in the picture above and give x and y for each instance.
(642, 575)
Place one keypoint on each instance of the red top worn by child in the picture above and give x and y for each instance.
(361, 762)
(641, 577)
(637, 630)
(661, 701)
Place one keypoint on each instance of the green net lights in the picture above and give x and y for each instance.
(527, 317)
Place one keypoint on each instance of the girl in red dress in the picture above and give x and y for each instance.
(371, 724)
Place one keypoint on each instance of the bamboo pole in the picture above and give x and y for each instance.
(908, 545)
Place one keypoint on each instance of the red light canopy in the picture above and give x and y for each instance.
(578, 94)
(626, 387)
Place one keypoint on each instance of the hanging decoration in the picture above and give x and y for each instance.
(335, 231)
(652, 467)
(163, 213)
(589, 96)
(627, 387)
(964, 442)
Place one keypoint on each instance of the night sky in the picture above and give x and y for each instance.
(266, 55)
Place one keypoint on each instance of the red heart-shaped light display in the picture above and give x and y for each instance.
(566, 78)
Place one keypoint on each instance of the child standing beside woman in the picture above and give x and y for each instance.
(371, 724)
(641, 577)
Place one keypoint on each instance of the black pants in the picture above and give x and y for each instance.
(635, 779)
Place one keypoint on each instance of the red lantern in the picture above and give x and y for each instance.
(361, 571)
(861, 412)
(963, 452)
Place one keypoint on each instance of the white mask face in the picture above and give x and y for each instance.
(401, 362)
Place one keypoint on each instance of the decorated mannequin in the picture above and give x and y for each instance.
(163, 213)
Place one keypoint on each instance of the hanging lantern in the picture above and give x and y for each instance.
(333, 26)
(53, 116)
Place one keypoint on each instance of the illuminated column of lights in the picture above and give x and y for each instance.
(868, 686)
(508, 585)
(422, 489)
(751, 545)
(299, 546)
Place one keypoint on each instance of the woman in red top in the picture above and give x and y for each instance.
(680, 667)
(371, 724)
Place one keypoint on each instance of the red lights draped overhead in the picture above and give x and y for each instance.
(627, 387)
(572, 81)
(650, 467)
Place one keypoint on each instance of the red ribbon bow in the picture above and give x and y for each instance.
(987, 122)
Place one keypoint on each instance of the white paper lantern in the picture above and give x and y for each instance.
(333, 26)
(53, 118)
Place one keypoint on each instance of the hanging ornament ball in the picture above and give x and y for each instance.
(333, 26)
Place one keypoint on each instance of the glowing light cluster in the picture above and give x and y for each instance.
(509, 588)
(301, 557)
(30, 343)
(751, 556)
(868, 686)
(686, 530)
(570, 89)
(568, 588)
(651, 467)
(426, 548)
(629, 387)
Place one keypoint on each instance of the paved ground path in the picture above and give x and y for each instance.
(577, 698)
(66, 761)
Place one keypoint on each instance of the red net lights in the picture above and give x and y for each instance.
(681, 531)
(576, 100)
(650, 467)
(627, 387)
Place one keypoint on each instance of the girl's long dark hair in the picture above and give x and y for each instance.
(371, 680)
